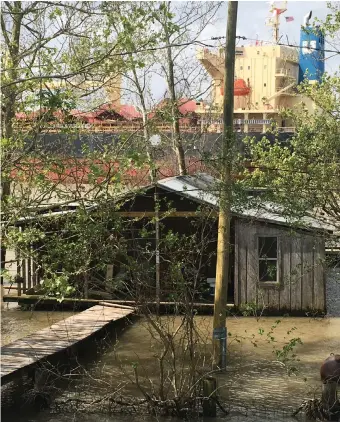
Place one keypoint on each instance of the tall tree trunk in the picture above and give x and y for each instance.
(177, 141)
(176, 133)
(9, 103)
(153, 179)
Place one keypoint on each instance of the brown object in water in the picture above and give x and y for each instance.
(330, 369)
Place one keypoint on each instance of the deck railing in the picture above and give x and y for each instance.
(212, 127)
(285, 72)
(99, 128)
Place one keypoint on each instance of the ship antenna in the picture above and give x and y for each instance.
(274, 21)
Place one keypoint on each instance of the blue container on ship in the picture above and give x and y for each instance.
(312, 53)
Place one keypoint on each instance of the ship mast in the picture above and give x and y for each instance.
(274, 20)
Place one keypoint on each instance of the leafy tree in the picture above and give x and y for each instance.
(302, 174)
(54, 55)
(180, 26)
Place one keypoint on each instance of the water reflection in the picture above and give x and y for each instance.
(255, 381)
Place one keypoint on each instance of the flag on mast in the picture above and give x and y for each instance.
(289, 18)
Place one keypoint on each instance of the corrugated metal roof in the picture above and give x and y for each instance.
(204, 188)
(198, 187)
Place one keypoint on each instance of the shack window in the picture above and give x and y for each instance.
(268, 254)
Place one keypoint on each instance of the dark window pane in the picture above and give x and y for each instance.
(267, 247)
(268, 270)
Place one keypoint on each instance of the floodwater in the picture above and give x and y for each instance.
(16, 324)
(257, 386)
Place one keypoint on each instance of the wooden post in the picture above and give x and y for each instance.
(19, 281)
(329, 396)
(3, 266)
(29, 272)
(86, 286)
(20, 272)
(330, 377)
(2, 295)
(209, 397)
(109, 273)
(158, 276)
(24, 287)
(223, 239)
(34, 272)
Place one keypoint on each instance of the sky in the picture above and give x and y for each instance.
(251, 23)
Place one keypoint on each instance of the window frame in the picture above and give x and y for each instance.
(271, 283)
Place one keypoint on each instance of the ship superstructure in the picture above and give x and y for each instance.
(266, 77)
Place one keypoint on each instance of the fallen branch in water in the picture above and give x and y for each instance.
(181, 407)
(315, 410)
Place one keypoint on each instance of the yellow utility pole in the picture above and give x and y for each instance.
(223, 240)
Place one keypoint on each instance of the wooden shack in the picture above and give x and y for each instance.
(274, 265)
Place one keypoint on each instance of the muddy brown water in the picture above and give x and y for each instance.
(255, 383)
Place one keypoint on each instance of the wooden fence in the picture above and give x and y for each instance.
(29, 273)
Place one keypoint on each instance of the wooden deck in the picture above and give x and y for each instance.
(30, 350)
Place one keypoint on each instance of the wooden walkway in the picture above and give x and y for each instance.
(30, 350)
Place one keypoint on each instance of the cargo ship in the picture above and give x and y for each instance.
(266, 78)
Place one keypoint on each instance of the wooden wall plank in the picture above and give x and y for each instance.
(285, 280)
(34, 272)
(295, 284)
(274, 298)
(252, 262)
(319, 274)
(17, 257)
(242, 265)
(18, 269)
(236, 265)
(307, 293)
(24, 276)
(274, 292)
(29, 273)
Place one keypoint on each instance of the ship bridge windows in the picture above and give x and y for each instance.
(248, 67)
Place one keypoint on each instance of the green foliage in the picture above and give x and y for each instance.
(56, 100)
(250, 309)
(57, 286)
(287, 355)
(331, 25)
(302, 174)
